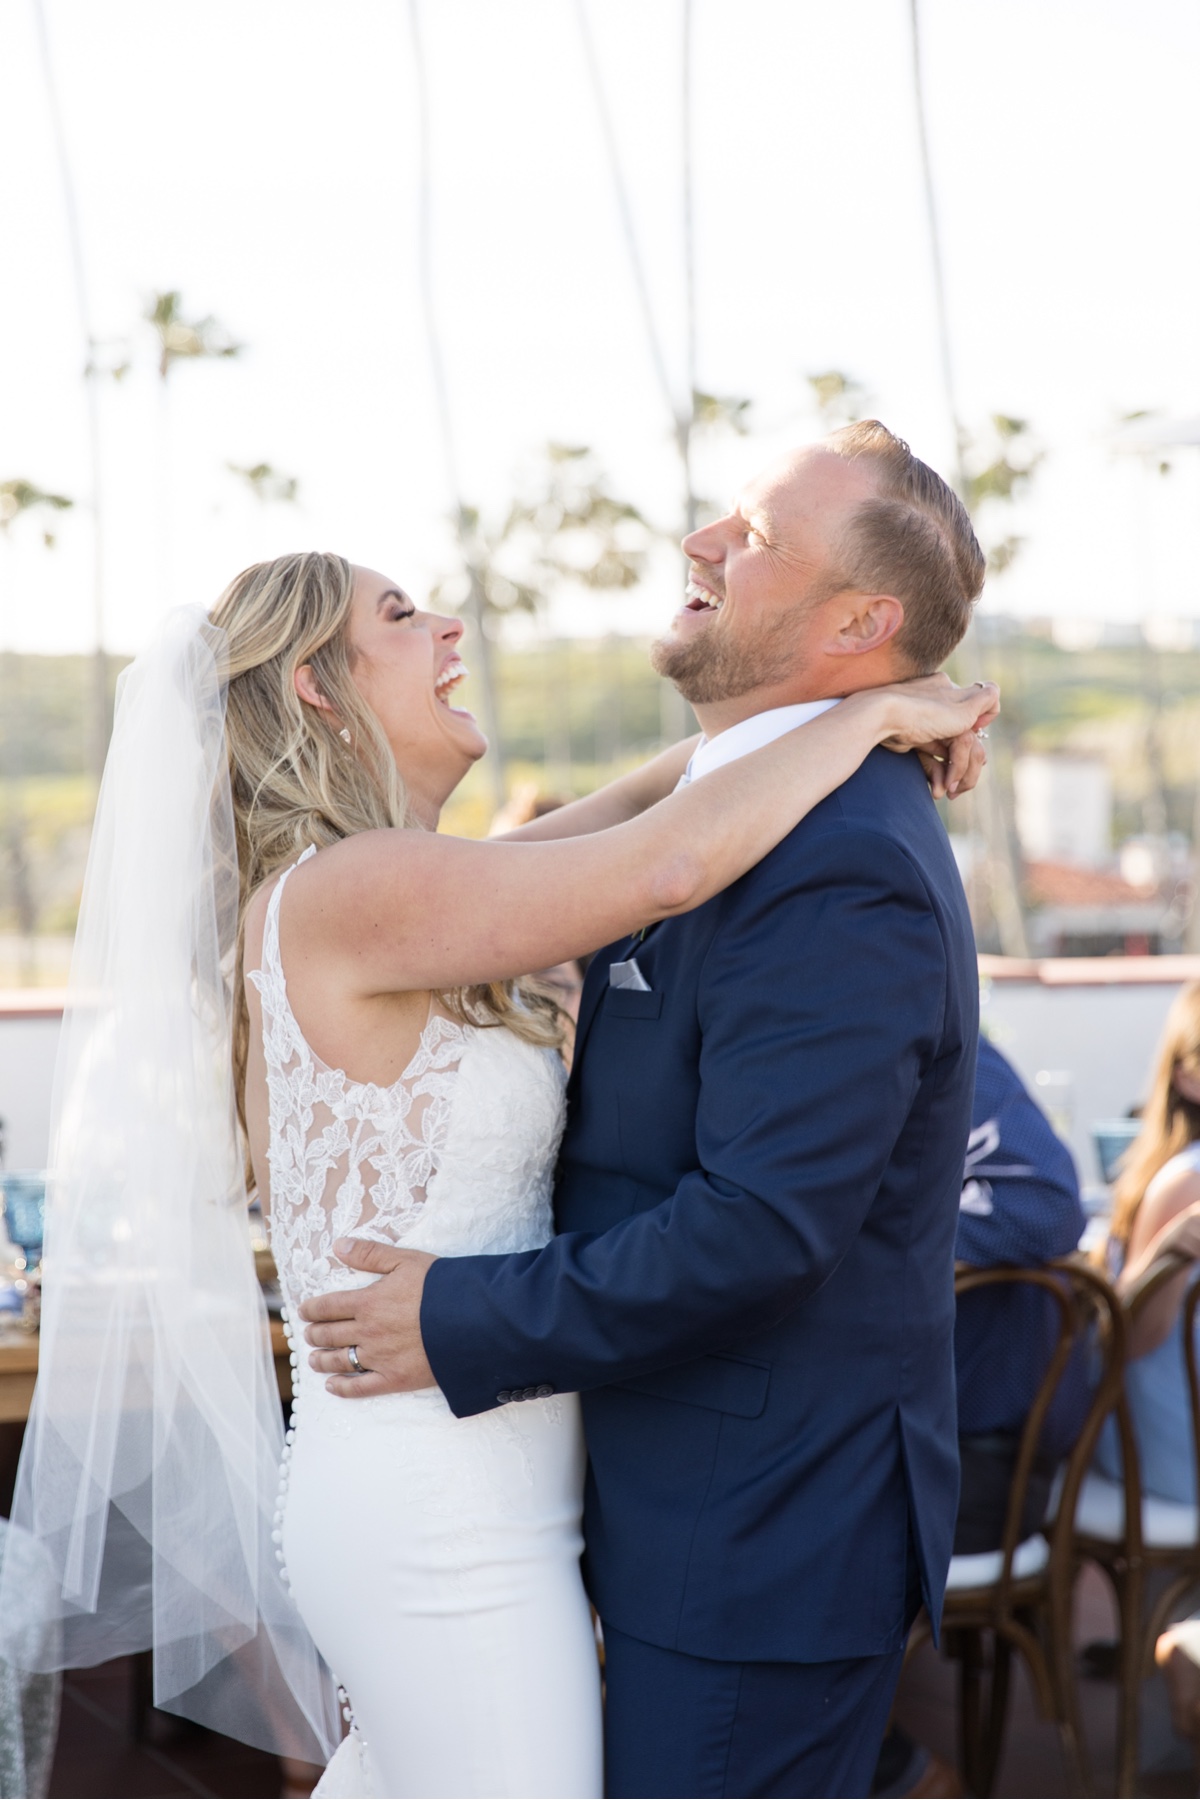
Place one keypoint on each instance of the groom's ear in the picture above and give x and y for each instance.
(863, 623)
(305, 684)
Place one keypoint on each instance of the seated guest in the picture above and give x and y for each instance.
(1156, 1207)
(1020, 1204)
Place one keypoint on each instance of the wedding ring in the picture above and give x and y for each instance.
(981, 734)
(352, 1353)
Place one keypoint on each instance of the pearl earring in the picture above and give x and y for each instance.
(344, 734)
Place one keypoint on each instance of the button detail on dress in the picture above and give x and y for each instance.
(544, 1392)
(503, 1397)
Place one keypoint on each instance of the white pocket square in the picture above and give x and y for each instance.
(628, 975)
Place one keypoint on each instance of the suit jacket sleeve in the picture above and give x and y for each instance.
(821, 1003)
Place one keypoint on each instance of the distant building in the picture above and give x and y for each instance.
(1064, 810)
(1075, 911)
(1082, 898)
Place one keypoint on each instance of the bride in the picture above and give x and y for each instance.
(271, 925)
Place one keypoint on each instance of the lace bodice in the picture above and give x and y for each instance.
(456, 1156)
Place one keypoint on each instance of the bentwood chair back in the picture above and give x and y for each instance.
(1019, 1596)
(1131, 1534)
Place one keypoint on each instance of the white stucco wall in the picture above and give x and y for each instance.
(27, 1050)
(1102, 1037)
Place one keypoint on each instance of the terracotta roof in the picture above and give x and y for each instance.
(1065, 884)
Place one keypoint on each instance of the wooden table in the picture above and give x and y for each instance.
(19, 1361)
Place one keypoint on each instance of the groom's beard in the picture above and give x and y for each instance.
(714, 665)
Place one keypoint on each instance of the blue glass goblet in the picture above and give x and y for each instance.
(25, 1213)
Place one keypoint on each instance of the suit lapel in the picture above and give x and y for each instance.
(597, 981)
(593, 988)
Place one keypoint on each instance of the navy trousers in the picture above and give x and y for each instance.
(680, 1726)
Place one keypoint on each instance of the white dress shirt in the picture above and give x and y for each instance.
(751, 734)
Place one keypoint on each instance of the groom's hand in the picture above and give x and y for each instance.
(382, 1322)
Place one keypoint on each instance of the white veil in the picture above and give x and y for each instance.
(151, 1462)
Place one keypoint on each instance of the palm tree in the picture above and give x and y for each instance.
(839, 398)
(1156, 442)
(993, 798)
(463, 516)
(1000, 466)
(573, 528)
(185, 340)
(698, 409)
(19, 498)
(269, 485)
(180, 339)
(98, 745)
(566, 527)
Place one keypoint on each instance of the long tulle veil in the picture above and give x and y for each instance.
(150, 1468)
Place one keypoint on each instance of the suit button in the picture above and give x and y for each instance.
(531, 1393)
(545, 1391)
(503, 1397)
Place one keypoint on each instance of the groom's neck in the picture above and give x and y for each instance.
(719, 715)
(723, 713)
(842, 676)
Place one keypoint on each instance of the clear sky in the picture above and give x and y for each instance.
(262, 157)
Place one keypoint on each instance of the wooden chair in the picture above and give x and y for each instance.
(1020, 1594)
(1131, 1534)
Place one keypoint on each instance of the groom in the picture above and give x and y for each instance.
(758, 1190)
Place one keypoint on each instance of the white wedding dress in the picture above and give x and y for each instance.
(435, 1560)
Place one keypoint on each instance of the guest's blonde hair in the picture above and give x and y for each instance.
(1169, 1121)
(296, 780)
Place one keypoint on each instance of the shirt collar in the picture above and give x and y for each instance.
(750, 734)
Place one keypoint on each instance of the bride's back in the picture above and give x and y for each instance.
(455, 1154)
(349, 1086)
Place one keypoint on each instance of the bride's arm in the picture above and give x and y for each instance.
(611, 804)
(396, 911)
(645, 786)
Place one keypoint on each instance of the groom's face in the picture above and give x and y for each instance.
(752, 619)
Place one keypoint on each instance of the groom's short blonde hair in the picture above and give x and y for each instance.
(912, 539)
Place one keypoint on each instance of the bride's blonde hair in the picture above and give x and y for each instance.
(295, 779)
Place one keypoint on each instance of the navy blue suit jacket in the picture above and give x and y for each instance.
(753, 1285)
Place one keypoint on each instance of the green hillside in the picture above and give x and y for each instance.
(575, 712)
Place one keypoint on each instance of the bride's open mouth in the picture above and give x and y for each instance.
(454, 673)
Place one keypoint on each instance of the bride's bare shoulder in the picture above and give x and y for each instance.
(348, 888)
(401, 863)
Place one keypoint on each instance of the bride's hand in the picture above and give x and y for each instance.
(942, 723)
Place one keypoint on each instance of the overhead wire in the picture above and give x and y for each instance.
(992, 799)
